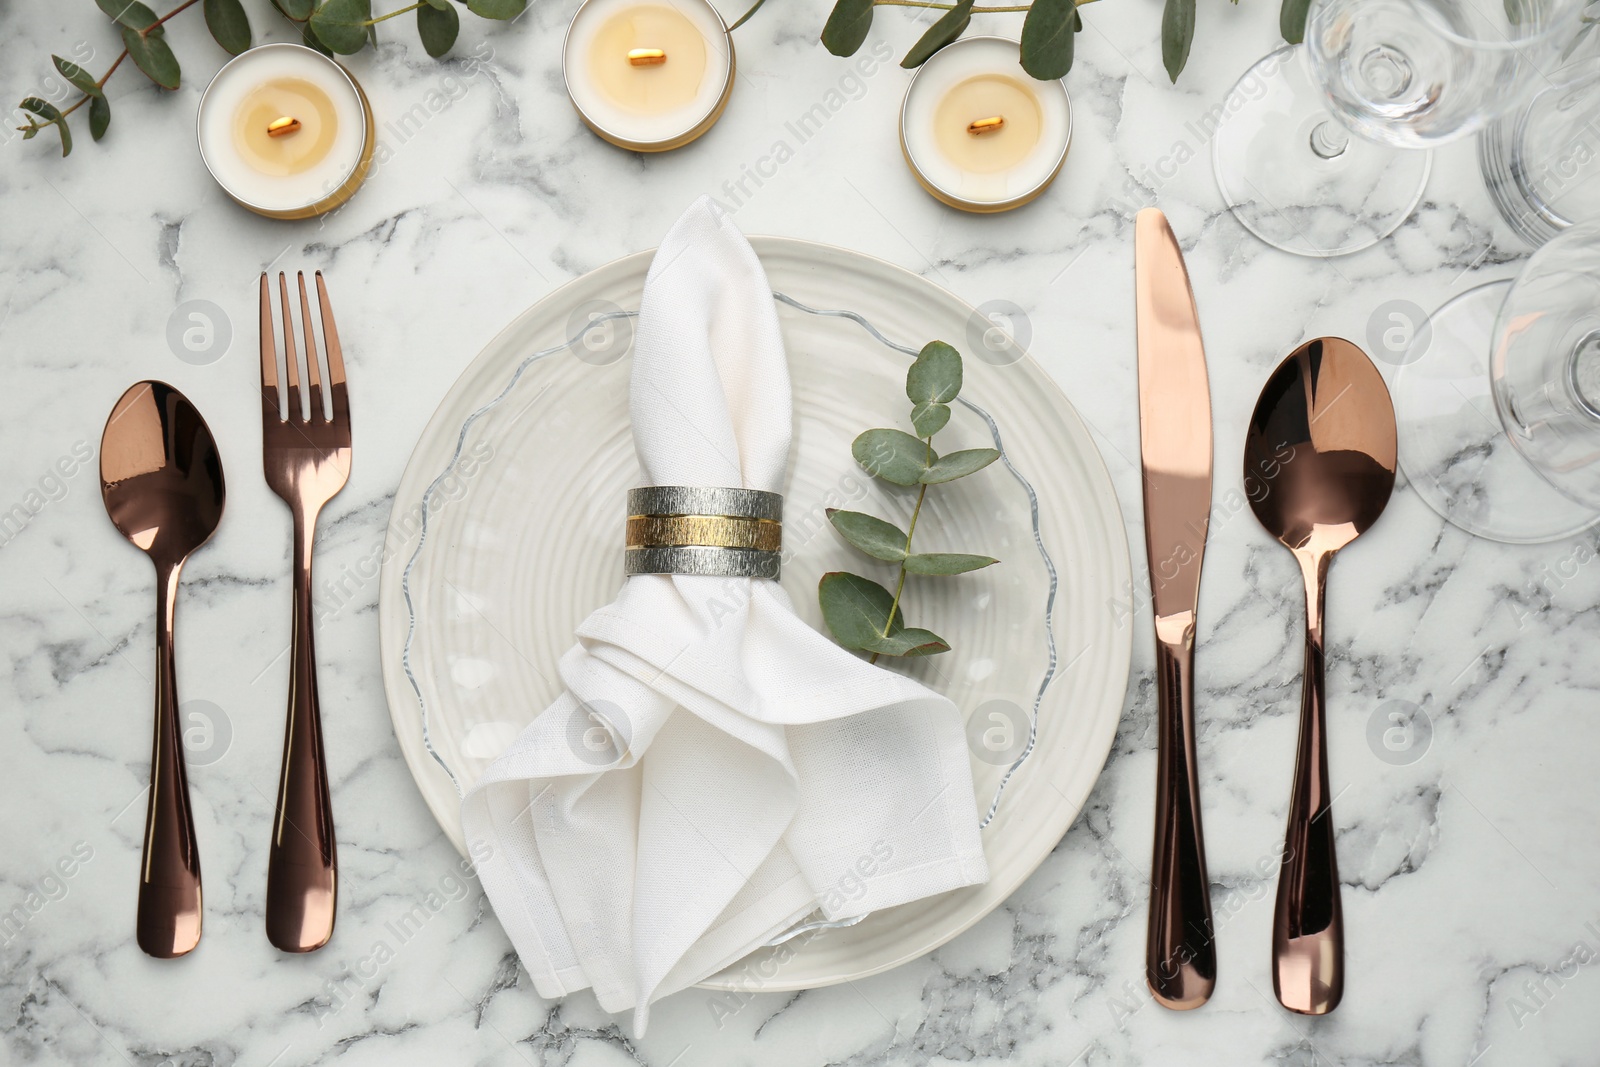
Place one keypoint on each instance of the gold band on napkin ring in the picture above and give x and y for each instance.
(729, 533)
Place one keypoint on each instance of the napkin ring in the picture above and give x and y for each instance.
(723, 533)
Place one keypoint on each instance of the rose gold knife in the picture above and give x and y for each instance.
(1175, 447)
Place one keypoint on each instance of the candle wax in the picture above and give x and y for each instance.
(292, 153)
(981, 97)
(308, 171)
(654, 89)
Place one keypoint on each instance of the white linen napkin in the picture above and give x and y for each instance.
(716, 769)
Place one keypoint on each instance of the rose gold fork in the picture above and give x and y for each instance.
(307, 461)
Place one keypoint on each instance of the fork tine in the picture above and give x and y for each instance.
(330, 340)
(313, 361)
(270, 406)
(291, 358)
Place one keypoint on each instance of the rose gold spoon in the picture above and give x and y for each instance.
(162, 482)
(1319, 460)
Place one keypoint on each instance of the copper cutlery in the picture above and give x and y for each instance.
(1175, 449)
(306, 457)
(1319, 463)
(161, 477)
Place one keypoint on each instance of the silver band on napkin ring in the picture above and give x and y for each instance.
(725, 533)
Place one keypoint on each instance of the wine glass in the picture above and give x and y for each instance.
(1498, 399)
(1404, 75)
(1541, 163)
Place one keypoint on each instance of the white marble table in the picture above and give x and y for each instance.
(1469, 867)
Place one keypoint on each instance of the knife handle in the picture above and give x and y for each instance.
(1180, 951)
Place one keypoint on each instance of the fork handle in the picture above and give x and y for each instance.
(302, 865)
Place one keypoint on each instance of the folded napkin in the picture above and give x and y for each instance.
(716, 769)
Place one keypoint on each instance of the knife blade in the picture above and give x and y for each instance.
(1175, 449)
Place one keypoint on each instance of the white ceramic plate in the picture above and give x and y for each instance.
(507, 531)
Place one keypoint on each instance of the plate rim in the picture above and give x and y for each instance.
(420, 764)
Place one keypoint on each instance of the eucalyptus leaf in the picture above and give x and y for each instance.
(744, 18)
(856, 610)
(437, 26)
(893, 455)
(229, 25)
(847, 26)
(1292, 20)
(946, 562)
(1048, 36)
(928, 419)
(99, 116)
(935, 375)
(129, 13)
(872, 535)
(911, 641)
(298, 10)
(958, 465)
(442, 5)
(80, 78)
(53, 117)
(497, 9)
(342, 24)
(151, 54)
(309, 38)
(946, 28)
(1177, 34)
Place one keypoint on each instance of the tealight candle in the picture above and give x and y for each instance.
(978, 133)
(648, 75)
(286, 131)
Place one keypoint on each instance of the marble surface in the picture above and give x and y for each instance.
(1469, 863)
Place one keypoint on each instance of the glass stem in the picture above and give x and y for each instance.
(1329, 139)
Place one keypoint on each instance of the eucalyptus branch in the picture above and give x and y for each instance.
(1049, 30)
(331, 26)
(949, 7)
(862, 614)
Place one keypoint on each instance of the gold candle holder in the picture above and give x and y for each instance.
(648, 75)
(978, 133)
(314, 125)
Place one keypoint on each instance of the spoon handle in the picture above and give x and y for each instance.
(1180, 947)
(169, 884)
(1308, 924)
(302, 863)
(303, 867)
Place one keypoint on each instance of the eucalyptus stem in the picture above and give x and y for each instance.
(911, 531)
(946, 7)
(392, 14)
(84, 99)
(181, 7)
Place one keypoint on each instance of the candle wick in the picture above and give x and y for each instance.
(646, 57)
(988, 125)
(282, 127)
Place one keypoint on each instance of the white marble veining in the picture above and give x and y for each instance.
(1469, 873)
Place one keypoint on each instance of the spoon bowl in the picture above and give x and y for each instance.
(161, 478)
(1319, 463)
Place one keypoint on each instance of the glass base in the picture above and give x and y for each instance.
(1453, 448)
(1296, 178)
